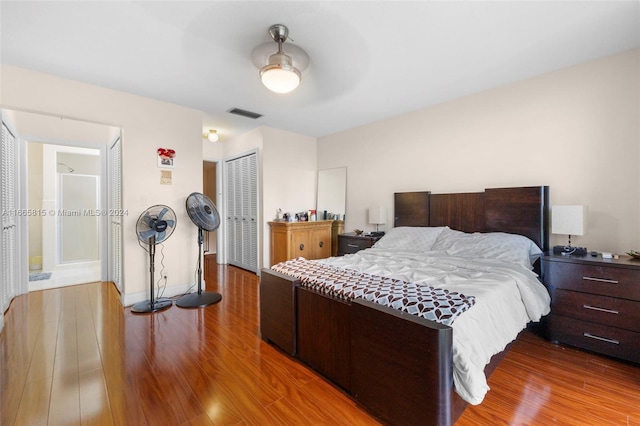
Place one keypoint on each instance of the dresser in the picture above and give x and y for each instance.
(311, 240)
(350, 243)
(595, 304)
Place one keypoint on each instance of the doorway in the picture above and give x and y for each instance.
(209, 188)
(64, 186)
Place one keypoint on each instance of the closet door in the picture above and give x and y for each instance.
(9, 208)
(249, 212)
(242, 211)
(231, 215)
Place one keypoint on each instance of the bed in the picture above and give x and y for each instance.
(401, 367)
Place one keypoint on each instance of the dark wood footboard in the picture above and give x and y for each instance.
(397, 366)
(324, 335)
(401, 365)
(278, 310)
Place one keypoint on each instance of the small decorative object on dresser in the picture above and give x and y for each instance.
(634, 254)
(351, 242)
(595, 304)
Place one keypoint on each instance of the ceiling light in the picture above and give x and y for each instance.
(279, 75)
(212, 136)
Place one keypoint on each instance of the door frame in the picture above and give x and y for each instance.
(221, 249)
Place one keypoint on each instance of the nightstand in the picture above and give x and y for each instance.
(595, 304)
(351, 243)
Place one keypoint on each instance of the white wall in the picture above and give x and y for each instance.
(576, 130)
(146, 125)
(289, 177)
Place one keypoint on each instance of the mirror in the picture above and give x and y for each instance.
(332, 193)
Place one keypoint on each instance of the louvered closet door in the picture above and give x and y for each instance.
(115, 206)
(231, 212)
(242, 208)
(249, 210)
(8, 205)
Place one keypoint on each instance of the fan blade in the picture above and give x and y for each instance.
(148, 220)
(145, 235)
(162, 213)
(170, 223)
(161, 236)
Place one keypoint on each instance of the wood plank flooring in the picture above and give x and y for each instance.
(74, 356)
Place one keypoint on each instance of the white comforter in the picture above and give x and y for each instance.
(508, 296)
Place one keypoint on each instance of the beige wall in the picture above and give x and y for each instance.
(146, 125)
(576, 130)
(288, 177)
(34, 201)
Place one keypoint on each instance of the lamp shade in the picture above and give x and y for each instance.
(567, 220)
(377, 215)
(280, 75)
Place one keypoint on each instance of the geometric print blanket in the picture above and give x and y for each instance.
(434, 304)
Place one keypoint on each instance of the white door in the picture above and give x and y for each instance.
(10, 278)
(115, 218)
(241, 175)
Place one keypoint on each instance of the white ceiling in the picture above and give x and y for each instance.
(368, 60)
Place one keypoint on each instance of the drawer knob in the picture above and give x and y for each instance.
(301, 246)
(603, 339)
(600, 280)
(321, 244)
(595, 308)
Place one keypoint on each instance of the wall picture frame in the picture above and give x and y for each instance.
(166, 158)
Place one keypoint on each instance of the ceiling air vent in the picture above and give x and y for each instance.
(244, 113)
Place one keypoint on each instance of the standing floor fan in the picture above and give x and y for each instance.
(204, 215)
(154, 226)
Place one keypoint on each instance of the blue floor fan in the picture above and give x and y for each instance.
(154, 226)
(204, 215)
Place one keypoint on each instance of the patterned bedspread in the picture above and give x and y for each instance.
(439, 305)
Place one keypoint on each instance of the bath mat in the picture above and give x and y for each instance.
(39, 276)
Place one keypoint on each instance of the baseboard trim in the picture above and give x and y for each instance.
(171, 291)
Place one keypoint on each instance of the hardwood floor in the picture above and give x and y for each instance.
(75, 356)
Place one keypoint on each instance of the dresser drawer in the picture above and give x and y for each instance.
(596, 279)
(611, 341)
(603, 310)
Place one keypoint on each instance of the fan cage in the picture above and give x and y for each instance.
(148, 221)
(202, 212)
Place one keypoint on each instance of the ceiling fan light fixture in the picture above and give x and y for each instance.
(279, 75)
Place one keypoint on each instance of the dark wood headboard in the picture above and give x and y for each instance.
(519, 210)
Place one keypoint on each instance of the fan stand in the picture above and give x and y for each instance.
(153, 304)
(201, 298)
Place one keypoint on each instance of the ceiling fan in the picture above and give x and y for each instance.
(280, 72)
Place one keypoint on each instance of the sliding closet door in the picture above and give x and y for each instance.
(9, 284)
(241, 175)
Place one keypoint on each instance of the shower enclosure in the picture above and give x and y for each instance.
(70, 214)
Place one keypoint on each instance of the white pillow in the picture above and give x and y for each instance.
(413, 238)
(510, 248)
